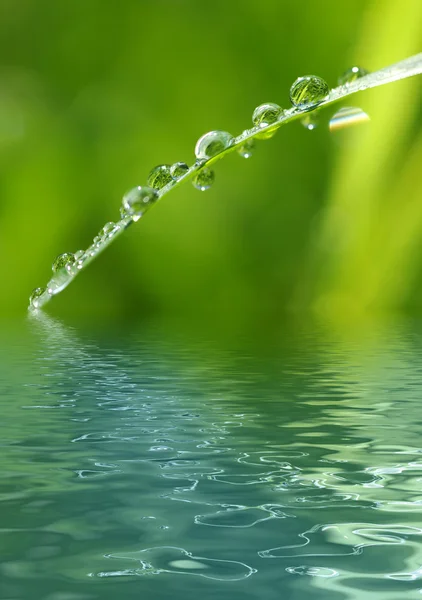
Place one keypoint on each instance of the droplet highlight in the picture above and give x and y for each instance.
(351, 75)
(212, 143)
(178, 170)
(159, 177)
(247, 149)
(138, 200)
(308, 91)
(204, 179)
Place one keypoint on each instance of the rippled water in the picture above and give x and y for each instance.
(149, 466)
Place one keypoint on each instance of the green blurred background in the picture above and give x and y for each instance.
(95, 93)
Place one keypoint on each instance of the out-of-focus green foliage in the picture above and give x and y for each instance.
(94, 94)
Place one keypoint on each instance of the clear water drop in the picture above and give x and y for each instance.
(266, 114)
(178, 170)
(204, 179)
(79, 254)
(351, 75)
(308, 91)
(63, 261)
(107, 229)
(247, 149)
(34, 298)
(310, 122)
(346, 118)
(212, 143)
(159, 177)
(138, 200)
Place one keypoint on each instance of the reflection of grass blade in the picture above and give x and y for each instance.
(404, 69)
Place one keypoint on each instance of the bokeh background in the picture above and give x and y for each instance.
(94, 93)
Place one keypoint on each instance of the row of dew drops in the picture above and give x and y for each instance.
(306, 93)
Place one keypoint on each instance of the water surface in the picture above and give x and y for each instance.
(149, 465)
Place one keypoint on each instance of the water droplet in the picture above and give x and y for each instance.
(309, 122)
(344, 119)
(308, 91)
(63, 261)
(107, 229)
(204, 179)
(266, 114)
(159, 177)
(212, 143)
(79, 254)
(34, 298)
(247, 149)
(138, 200)
(351, 75)
(178, 170)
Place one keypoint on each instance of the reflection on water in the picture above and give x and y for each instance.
(153, 468)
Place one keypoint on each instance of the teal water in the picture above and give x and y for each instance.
(150, 465)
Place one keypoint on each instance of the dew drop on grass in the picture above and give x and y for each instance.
(247, 149)
(178, 170)
(34, 298)
(159, 177)
(308, 91)
(138, 200)
(204, 179)
(63, 261)
(212, 143)
(310, 122)
(351, 75)
(107, 229)
(344, 120)
(266, 114)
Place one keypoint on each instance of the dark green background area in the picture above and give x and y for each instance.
(94, 93)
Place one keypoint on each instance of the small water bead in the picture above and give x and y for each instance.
(107, 229)
(159, 177)
(63, 261)
(178, 170)
(309, 122)
(34, 298)
(308, 91)
(204, 179)
(212, 143)
(138, 200)
(247, 149)
(266, 114)
(351, 75)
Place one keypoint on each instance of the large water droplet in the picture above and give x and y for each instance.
(178, 170)
(138, 200)
(34, 298)
(63, 261)
(159, 177)
(204, 179)
(247, 149)
(266, 114)
(347, 117)
(212, 143)
(351, 75)
(308, 91)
